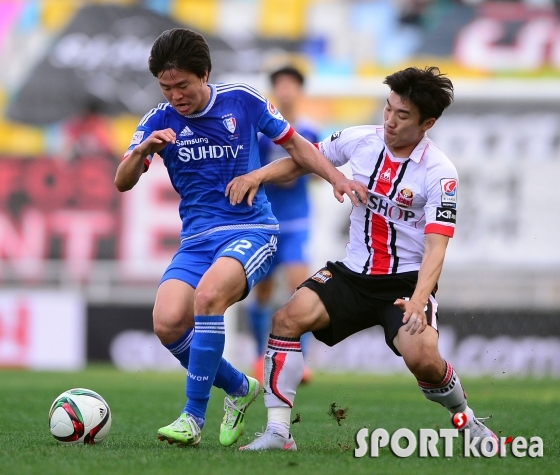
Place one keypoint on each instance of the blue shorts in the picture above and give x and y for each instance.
(292, 249)
(254, 249)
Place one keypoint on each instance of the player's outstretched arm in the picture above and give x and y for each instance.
(309, 157)
(130, 170)
(282, 170)
(428, 275)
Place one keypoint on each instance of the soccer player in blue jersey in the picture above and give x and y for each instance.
(206, 135)
(290, 205)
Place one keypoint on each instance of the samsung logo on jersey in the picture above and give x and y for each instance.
(181, 143)
(212, 151)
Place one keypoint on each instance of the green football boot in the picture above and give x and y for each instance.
(233, 423)
(184, 431)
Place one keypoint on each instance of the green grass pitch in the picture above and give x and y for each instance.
(142, 402)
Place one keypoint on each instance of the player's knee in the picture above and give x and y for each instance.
(286, 323)
(207, 301)
(168, 326)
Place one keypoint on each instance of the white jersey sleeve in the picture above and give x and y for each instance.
(339, 147)
(441, 205)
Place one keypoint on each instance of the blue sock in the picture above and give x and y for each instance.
(181, 348)
(260, 316)
(227, 377)
(242, 389)
(207, 348)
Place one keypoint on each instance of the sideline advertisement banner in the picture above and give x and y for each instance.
(42, 330)
(71, 213)
(124, 336)
(491, 343)
(496, 343)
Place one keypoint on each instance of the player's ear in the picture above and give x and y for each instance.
(428, 124)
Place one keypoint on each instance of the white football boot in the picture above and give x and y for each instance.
(478, 429)
(270, 440)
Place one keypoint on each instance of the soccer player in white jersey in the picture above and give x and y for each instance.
(398, 239)
(206, 135)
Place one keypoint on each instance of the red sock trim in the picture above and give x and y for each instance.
(444, 382)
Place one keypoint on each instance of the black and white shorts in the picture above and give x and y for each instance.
(355, 302)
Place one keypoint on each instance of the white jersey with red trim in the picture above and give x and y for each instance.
(407, 198)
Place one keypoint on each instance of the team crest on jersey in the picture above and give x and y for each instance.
(186, 131)
(448, 192)
(404, 198)
(386, 176)
(137, 137)
(230, 124)
(322, 276)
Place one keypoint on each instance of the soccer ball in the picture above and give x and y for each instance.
(79, 416)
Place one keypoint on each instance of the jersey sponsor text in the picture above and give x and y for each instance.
(186, 154)
(387, 209)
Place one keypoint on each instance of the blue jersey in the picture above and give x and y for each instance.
(290, 203)
(212, 147)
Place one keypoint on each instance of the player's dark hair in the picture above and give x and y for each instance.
(428, 89)
(180, 49)
(287, 71)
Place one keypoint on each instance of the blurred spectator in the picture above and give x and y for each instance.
(86, 135)
(291, 206)
(411, 11)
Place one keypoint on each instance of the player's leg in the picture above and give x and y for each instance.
(283, 367)
(174, 325)
(241, 262)
(173, 317)
(259, 313)
(328, 304)
(295, 273)
(436, 377)
(294, 258)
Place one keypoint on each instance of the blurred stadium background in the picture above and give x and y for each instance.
(80, 263)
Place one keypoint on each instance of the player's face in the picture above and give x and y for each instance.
(402, 129)
(185, 91)
(286, 91)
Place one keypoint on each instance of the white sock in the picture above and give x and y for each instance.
(449, 392)
(279, 420)
(283, 370)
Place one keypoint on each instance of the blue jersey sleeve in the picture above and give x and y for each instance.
(270, 121)
(153, 120)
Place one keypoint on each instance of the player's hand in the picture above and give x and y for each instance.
(355, 190)
(157, 141)
(414, 316)
(241, 186)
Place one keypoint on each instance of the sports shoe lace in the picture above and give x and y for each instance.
(178, 423)
(230, 404)
(181, 422)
